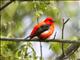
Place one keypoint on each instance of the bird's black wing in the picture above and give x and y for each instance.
(43, 28)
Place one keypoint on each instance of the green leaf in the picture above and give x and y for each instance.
(11, 9)
(55, 47)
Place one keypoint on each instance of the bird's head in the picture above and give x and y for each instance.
(49, 20)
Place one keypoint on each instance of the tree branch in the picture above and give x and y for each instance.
(62, 45)
(66, 21)
(41, 50)
(55, 35)
(4, 6)
(38, 40)
(63, 34)
(70, 50)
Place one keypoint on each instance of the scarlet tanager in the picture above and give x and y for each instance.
(44, 29)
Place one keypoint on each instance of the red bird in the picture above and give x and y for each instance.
(43, 29)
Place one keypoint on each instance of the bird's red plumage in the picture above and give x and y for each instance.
(45, 34)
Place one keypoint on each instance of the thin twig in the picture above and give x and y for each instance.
(62, 38)
(66, 21)
(70, 50)
(41, 50)
(38, 40)
(40, 43)
(63, 33)
(4, 6)
(55, 35)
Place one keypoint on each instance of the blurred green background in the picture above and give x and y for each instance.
(19, 17)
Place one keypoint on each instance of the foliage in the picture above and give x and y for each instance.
(11, 27)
